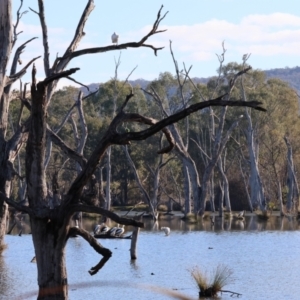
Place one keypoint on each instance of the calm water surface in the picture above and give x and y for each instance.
(264, 258)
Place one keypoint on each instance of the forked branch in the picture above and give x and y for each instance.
(106, 253)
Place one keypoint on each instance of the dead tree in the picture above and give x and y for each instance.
(292, 184)
(256, 186)
(10, 146)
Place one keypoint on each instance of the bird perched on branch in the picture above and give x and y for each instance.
(114, 38)
(101, 229)
(119, 231)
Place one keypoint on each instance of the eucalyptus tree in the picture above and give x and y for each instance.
(265, 134)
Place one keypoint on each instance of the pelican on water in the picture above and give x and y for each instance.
(101, 229)
(112, 231)
(119, 230)
(166, 230)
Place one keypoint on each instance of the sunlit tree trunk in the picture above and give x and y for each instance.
(225, 186)
(293, 191)
(187, 191)
(256, 187)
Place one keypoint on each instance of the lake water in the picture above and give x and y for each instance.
(264, 258)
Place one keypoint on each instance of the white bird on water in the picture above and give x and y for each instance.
(114, 38)
(101, 229)
(166, 230)
(119, 231)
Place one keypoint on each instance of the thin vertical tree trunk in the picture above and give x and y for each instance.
(108, 179)
(6, 35)
(225, 186)
(187, 191)
(133, 251)
(291, 178)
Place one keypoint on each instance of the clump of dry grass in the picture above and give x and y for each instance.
(211, 285)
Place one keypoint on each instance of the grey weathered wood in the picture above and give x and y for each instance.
(133, 246)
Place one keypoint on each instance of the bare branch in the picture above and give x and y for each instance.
(70, 54)
(16, 205)
(41, 15)
(123, 139)
(59, 75)
(128, 97)
(79, 30)
(103, 212)
(72, 79)
(17, 56)
(106, 253)
(66, 149)
(19, 16)
(18, 75)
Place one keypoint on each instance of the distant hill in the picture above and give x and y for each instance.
(290, 75)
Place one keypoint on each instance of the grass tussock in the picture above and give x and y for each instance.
(211, 284)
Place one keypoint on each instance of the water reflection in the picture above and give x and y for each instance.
(215, 224)
(261, 253)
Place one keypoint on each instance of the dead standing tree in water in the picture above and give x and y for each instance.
(50, 226)
(9, 145)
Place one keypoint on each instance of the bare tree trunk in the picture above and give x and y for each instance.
(108, 179)
(221, 199)
(279, 192)
(133, 251)
(6, 34)
(49, 248)
(139, 183)
(225, 185)
(187, 191)
(293, 192)
(256, 187)
(246, 185)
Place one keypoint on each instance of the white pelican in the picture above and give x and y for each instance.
(119, 230)
(101, 229)
(97, 229)
(112, 231)
(166, 230)
(114, 38)
(104, 229)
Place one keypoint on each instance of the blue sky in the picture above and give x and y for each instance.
(268, 29)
